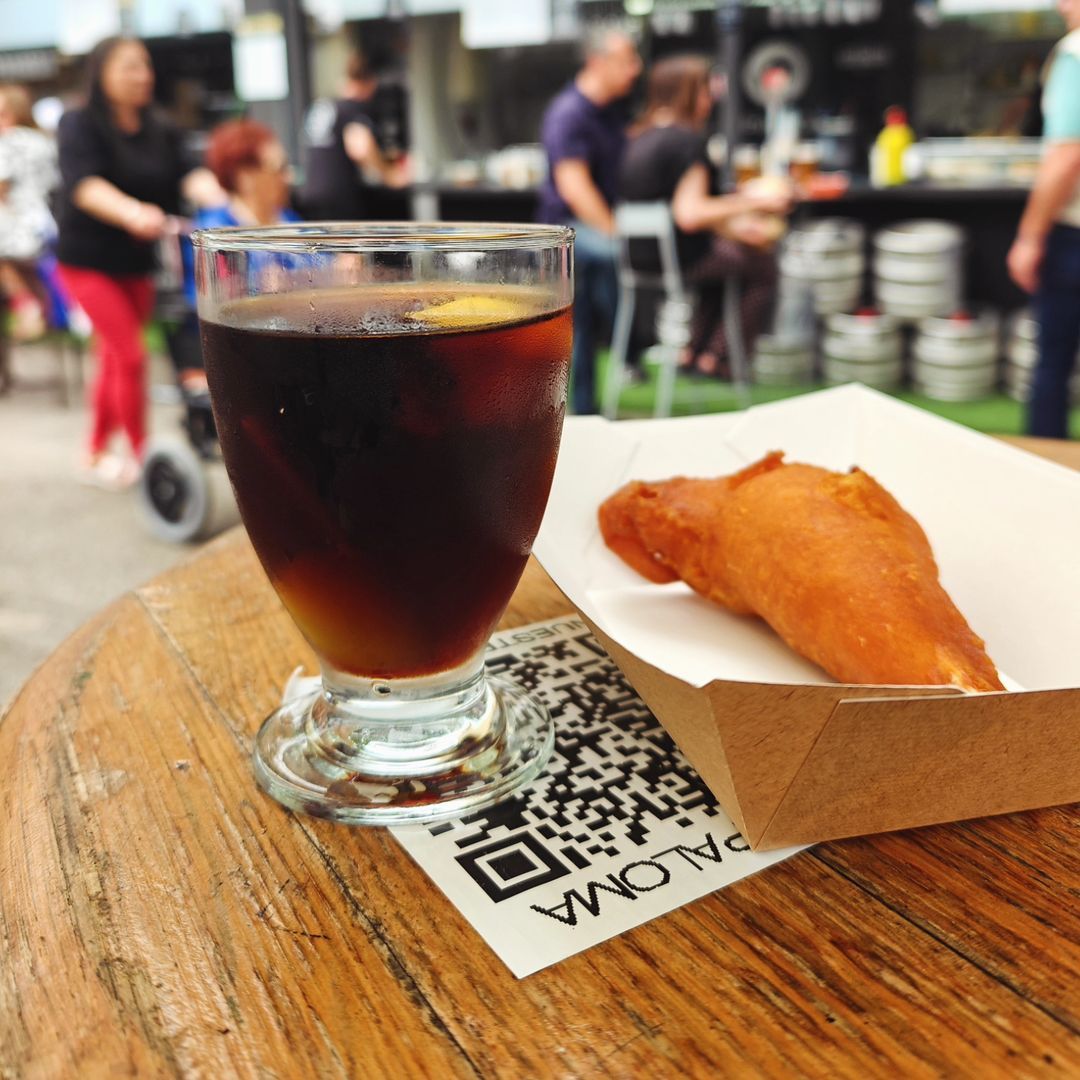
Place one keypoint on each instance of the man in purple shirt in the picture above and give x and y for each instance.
(583, 134)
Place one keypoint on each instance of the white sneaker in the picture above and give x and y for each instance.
(110, 472)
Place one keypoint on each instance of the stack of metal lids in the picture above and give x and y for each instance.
(866, 348)
(956, 358)
(830, 256)
(673, 319)
(918, 269)
(781, 361)
(1021, 353)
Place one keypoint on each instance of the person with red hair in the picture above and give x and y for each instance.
(251, 165)
(252, 168)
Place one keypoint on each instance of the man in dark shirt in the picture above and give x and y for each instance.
(341, 148)
(583, 134)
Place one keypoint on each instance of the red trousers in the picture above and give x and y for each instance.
(117, 307)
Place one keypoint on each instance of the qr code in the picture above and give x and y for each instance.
(614, 777)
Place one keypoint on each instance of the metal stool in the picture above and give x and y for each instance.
(653, 221)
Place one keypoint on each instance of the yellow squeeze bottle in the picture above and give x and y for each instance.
(887, 155)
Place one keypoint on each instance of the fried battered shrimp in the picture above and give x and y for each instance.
(830, 561)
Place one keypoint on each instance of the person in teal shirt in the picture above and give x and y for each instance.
(1045, 257)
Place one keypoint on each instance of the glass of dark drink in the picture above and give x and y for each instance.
(389, 400)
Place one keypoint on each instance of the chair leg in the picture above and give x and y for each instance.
(733, 331)
(665, 389)
(70, 353)
(620, 346)
(63, 389)
(79, 348)
(5, 361)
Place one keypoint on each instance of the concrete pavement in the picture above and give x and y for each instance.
(66, 550)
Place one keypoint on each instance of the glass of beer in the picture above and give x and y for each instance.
(747, 164)
(805, 162)
(389, 400)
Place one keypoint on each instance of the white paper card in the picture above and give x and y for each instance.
(261, 65)
(76, 26)
(618, 830)
(488, 24)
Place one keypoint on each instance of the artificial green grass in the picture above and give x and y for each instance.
(996, 415)
(154, 339)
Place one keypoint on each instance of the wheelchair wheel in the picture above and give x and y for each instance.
(183, 497)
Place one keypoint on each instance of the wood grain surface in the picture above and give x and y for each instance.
(159, 916)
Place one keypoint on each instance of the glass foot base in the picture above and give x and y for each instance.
(505, 742)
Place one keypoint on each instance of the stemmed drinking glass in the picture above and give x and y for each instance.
(389, 400)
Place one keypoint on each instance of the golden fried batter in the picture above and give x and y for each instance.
(830, 561)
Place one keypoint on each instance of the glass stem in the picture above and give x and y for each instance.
(401, 726)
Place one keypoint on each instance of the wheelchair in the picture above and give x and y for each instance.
(184, 495)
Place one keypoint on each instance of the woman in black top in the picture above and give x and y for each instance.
(121, 169)
(717, 235)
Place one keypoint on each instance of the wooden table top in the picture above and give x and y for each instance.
(160, 916)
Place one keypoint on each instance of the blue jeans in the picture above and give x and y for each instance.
(595, 296)
(1057, 311)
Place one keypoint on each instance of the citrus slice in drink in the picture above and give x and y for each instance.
(471, 311)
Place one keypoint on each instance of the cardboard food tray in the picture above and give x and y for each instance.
(793, 756)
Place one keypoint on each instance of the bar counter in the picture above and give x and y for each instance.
(988, 213)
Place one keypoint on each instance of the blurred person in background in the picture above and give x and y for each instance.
(122, 169)
(1045, 257)
(717, 236)
(342, 151)
(250, 163)
(251, 166)
(47, 112)
(28, 175)
(584, 135)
